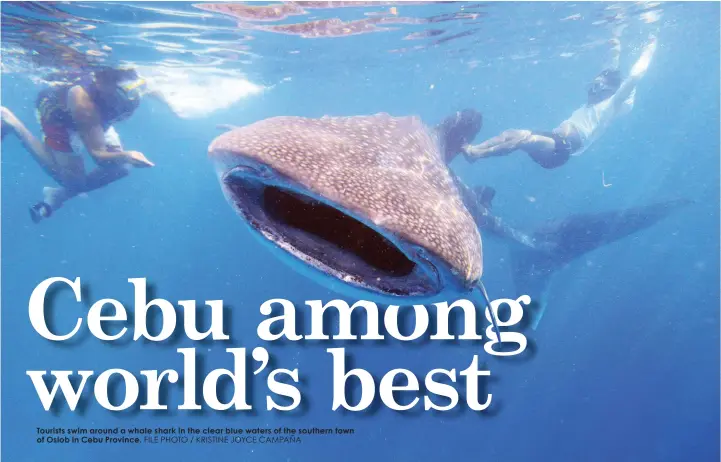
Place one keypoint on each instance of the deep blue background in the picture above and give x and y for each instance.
(627, 366)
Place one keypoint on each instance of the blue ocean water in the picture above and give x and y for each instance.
(626, 363)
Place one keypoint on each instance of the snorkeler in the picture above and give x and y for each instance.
(608, 98)
(78, 117)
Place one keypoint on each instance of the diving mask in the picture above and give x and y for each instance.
(132, 90)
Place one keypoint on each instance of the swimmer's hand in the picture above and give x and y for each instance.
(138, 159)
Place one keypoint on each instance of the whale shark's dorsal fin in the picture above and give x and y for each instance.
(458, 130)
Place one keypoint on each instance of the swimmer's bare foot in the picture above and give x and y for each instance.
(138, 159)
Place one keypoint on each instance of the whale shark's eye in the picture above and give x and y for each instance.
(326, 236)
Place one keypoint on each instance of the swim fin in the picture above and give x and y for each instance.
(39, 211)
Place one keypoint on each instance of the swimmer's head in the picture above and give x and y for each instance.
(604, 86)
(114, 75)
(125, 81)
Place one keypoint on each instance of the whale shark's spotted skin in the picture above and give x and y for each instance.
(388, 170)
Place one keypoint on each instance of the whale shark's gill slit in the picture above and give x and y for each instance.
(327, 237)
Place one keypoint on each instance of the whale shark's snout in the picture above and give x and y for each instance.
(367, 200)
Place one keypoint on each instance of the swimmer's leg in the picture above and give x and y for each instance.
(103, 176)
(538, 143)
(500, 145)
(509, 141)
(41, 154)
(54, 198)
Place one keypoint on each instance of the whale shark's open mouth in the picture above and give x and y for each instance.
(327, 237)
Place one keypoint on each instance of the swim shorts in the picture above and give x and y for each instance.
(565, 146)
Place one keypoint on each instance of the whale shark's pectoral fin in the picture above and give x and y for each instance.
(532, 274)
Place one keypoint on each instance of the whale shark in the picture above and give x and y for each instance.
(369, 203)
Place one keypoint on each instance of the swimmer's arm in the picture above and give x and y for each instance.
(625, 91)
(637, 72)
(153, 92)
(159, 96)
(156, 95)
(89, 126)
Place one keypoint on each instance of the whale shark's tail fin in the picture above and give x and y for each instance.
(535, 257)
(560, 242)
